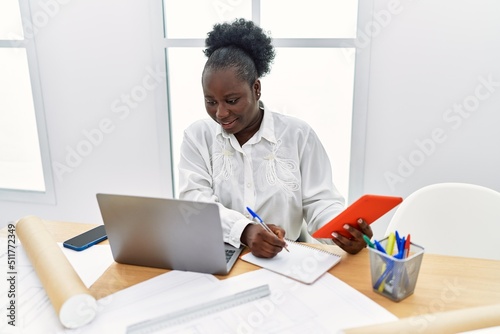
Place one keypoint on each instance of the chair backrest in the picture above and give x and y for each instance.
(452, 219)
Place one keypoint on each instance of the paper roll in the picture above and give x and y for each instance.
(71, 299)
(456, 321)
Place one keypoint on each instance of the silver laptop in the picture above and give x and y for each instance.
(166, 233)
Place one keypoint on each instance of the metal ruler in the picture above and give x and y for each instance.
(190, 313)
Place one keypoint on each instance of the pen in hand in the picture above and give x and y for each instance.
(261, 222)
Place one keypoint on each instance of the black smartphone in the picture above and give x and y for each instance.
(86, 239)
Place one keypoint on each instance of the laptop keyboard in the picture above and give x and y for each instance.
(229, 254)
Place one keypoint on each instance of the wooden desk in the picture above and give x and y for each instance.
(444, 283)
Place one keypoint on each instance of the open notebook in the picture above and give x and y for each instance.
(303, 263)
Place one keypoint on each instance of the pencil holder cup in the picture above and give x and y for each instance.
(392, 277)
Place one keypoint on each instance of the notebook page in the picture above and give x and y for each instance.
(302, 263)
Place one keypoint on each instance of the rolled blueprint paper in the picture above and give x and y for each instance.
(71, 299)
(456, 321)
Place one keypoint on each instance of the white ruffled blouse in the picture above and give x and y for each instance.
(283, 173)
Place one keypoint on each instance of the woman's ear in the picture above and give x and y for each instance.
(257, 88)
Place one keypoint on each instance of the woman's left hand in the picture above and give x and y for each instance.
(356, 243)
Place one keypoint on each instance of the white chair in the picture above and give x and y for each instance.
(452, 219)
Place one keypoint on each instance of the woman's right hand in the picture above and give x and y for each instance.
(261, 242)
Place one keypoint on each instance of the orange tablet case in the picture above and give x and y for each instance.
(369, 207)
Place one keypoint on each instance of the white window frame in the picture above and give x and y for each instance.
(360, 89)
(28, 43)
(360, 100)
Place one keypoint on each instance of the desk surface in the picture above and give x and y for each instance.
(444, 283)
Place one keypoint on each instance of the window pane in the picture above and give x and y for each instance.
(321, 91)
(10, 20)
(316, 85)
(195, 18)
(186, 95)
(20, 160)
(310, 19)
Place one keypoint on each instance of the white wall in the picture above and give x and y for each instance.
(99, 64)
(429, 60)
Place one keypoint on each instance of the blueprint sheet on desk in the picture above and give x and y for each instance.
(326, 306)
(35, 313)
